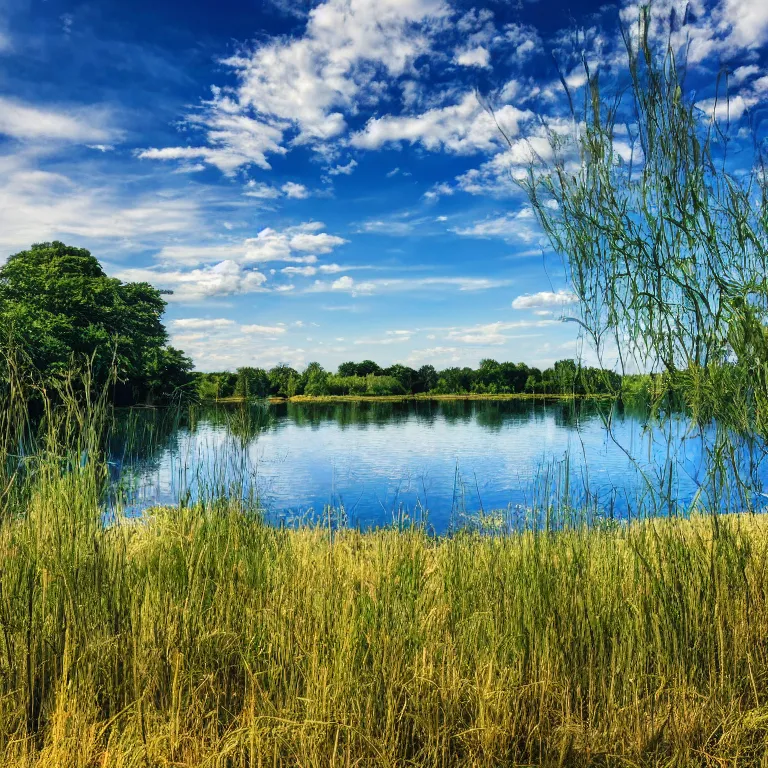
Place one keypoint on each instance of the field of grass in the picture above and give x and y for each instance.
(202, 637)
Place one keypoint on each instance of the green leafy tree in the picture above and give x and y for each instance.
(252, 382)
(314, 380)
(59, 306)
(368, 367)
(427, 378)
(347, 369)
(283, 380)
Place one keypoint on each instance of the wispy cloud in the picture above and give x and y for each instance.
(545, 299)
(520, 225)
(347, 284)
(77, 125)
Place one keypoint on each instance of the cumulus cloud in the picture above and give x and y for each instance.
(299, 244)
(545, 299)
(305, 84)
(462, 128)
(343, 170)
(227, 278)
(474, 57)
(296, 191)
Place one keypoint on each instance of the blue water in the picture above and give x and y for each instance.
(379, 463)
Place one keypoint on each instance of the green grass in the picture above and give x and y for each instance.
(201, 636)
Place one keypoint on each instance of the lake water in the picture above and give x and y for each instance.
(444, 461)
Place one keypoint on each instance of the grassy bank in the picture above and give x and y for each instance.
(202, 637)
(404, 398)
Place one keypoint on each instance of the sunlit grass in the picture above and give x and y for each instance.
(202, 636)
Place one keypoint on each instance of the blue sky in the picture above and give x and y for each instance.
(319, 180)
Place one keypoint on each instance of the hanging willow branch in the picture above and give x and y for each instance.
(665, 243)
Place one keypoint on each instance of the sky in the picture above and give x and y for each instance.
(323, 180)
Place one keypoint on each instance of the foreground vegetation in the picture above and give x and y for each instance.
(201, 636)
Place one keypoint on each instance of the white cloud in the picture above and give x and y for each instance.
(37, 205)
(263, 330)
(545, 299)
(261, 191)
(748, 21)
(305, 84)
(227, 278)
(462, 128)
(520, 225)
(298, 245)
(201, 323)
(494, 333)
(234, 139)
(343, 170)
(392, 337)
(735, 105)
(75, 125)
(304, 271)
(347, 284)
(474, 57)
(296, 191)
(438, 191)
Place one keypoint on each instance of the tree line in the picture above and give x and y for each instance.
(367, 378)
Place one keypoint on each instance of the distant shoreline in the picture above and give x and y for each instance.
(403, 398)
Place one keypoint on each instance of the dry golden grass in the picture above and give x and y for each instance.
(202, 637)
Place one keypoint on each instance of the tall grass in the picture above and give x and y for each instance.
(200, 636)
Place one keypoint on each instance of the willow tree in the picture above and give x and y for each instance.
(665, 237)
(663, 230)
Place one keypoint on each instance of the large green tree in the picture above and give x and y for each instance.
(57, 306)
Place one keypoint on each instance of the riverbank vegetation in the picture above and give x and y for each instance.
(368, 379)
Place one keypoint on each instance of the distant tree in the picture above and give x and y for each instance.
(407, 377)
(283, 381)
(565, 375)
(314, 380)
(169, 375)
(427, 378)
(347, 369)
(58, 305)
(368, 367)
(252, 382)
(213, 386)
(383, 385)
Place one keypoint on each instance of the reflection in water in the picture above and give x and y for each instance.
(381, 461)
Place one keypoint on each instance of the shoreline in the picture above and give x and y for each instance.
(308, 399)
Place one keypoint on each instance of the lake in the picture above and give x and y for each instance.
(441, 461)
